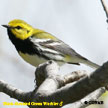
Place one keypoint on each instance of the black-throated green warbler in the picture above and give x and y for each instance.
(37, 46)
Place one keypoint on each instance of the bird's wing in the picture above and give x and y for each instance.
(49, 42)
(63, 49)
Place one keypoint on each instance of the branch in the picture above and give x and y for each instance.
(105, 8)
(52, 87)
(92, 97)
(53, 71)
(14, 92)
(83, 87)
(74, 76)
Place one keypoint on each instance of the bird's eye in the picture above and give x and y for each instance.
(18, 27)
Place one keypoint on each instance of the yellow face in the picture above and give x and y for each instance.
(20, 29)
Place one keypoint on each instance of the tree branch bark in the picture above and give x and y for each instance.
(91, 97)
(105, 8)
(52, 87)
(14, 92)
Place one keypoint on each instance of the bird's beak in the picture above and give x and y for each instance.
(6, 26)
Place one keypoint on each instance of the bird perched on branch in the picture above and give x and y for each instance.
(37, 46)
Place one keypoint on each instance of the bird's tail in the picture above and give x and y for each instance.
(90, 63)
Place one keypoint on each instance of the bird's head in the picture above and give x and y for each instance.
(20, 29)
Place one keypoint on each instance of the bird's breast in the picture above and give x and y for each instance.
(34, 60)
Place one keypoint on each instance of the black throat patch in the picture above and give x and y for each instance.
(25, 46)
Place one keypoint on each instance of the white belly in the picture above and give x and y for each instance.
(32, 59)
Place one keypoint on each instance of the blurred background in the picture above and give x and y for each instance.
(79, 23)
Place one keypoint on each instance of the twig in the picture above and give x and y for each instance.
(74, 76)
(14, 92)
(105, 8)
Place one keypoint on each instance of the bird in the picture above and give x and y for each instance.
(37, 46)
